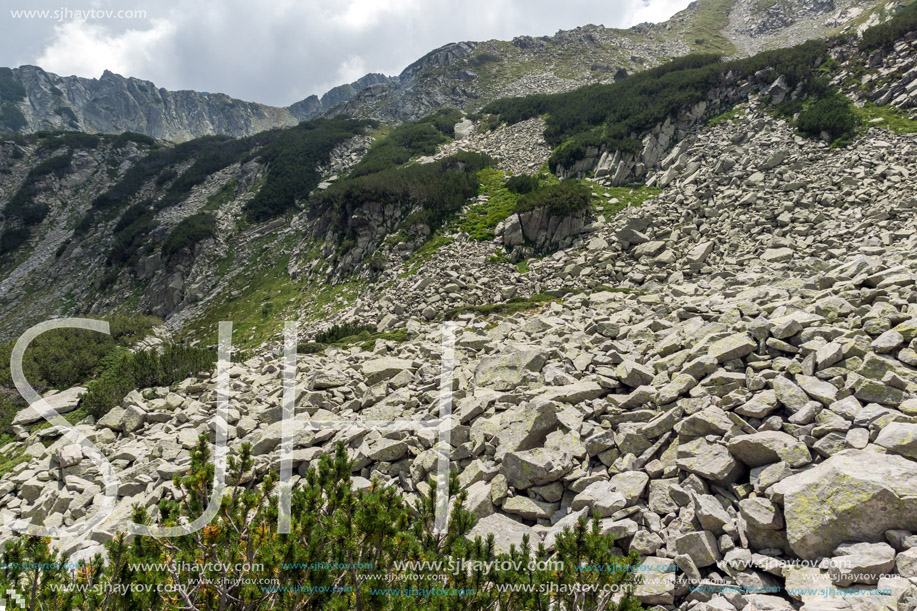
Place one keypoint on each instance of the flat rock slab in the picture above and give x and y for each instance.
(62, 402)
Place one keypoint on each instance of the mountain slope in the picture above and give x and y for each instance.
(465, 75)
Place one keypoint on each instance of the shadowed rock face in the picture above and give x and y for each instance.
(114, 104)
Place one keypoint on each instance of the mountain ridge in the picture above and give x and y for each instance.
(463, 75)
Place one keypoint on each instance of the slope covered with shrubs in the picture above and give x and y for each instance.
(342, 551)
(617, 115)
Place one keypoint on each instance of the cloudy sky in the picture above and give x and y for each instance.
(277, 51)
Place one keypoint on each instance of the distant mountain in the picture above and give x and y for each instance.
(464, 75)
(32, 99)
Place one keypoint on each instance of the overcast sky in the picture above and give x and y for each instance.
(278, 51)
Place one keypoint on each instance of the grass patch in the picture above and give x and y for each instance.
(611, 200)
(8, 463)
(704, 33)
(729, 116)
(482, 218)
(891, 118)
(514, 305)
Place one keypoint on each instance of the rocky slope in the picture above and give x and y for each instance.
(463, 75)
(727, 374)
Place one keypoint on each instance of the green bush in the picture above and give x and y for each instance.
(62, 358)
(294, 156)
(562, 199)
(189, 232)
(125, 371)
(339, 332)
(885, 35)
(617, 114)
(12, 238)
(522, 184)
(310, 348)
(407, 141)
(833, 114)
(436, 190)
(23, 210)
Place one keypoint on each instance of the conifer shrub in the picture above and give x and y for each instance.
(561, 199)
(189, 232)
(340, 553)
(832, 114)
(522, 184)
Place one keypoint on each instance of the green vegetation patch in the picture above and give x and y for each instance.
(332, 522)
(705, 30)
(189, 232)
(481, 218)
(22, 211)
(349, 334)
(62, 358)
(125, 371)
(294, 156)
(407, 141)
(564, 199)
(889, 117)
(614, 115)
(832, 114)
(885, 35)
(435, 191)
(516, 304)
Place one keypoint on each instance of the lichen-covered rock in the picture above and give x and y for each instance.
(856, 495)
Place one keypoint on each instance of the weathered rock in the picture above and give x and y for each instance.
(760, 448)
(528, 468)
(710, 461)
(856, 495)
(506, 371)
(506, 531)
(62, 402)
(599, 497)
(861, 563)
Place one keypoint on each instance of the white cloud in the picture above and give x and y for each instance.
(279, 52)
(85, 48)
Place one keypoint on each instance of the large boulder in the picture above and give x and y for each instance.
(709, 460)
(61, 402)
(856, 495)
(762, 448)
(536, 467)
(506, 532)
(507, 371)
